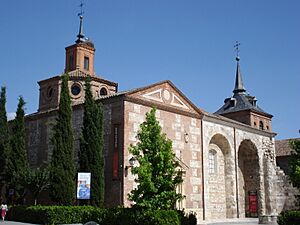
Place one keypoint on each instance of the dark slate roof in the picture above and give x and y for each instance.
(283, 148)
(241, 100)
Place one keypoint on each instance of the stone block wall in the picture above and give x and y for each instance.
(287, 196)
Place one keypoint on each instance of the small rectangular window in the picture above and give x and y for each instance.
(71, 62)
(86, 63)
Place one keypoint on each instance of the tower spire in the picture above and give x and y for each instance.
(239, 86)
(80, 36)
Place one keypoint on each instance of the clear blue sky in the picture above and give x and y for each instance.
(139, 42)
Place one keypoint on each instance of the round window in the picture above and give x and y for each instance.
(103, 91)
(75, 89)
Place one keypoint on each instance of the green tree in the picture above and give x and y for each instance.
(91, 145)
(17, 162)
(157, 176)
(37, 180)
(4, 137)
(62, 170)
(294, 163)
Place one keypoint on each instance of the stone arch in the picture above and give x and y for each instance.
(221, 200)
(248, 179)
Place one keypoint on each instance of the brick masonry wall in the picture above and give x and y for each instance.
(186, 136)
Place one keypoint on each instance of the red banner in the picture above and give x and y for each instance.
(116, 165)
(253, 203)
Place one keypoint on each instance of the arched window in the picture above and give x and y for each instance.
(212, 161)
(103, 91)
(261, 125)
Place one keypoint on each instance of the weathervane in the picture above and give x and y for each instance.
(81, 8)
(237, 50)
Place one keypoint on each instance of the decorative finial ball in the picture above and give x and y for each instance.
(81, 17)
(237, 58)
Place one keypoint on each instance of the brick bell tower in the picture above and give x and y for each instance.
(79, 63)
(80, 56)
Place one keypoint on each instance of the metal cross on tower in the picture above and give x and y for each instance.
(237, 50)
(81, 8)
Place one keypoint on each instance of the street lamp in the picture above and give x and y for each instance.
(132, 162)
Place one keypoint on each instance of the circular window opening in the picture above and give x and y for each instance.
(50, 92)
(75, 89)
(103, 91)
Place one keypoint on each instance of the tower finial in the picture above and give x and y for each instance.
(239, 86)
(80, 36)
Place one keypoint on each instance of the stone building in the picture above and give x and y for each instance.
(228, 157)
(283, 153)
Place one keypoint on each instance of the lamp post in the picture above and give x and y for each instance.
(132, 161)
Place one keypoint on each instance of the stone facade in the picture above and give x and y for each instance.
(228, 160)
(214, 188)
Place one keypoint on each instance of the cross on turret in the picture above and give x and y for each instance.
(237, 50)
(81, 9)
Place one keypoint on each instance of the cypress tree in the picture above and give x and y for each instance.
(157, 176)
(91, 145)
(4, 136)
(62, 171)
(17, 162)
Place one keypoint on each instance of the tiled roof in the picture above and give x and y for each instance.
(283, 148)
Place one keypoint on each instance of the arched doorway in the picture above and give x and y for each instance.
(248, 179)
(220, 171)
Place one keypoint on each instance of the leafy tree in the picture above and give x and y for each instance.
(37, 180)
(62, 171)
(17, 162)
(295, 162)
(157, 176)
(91, 145)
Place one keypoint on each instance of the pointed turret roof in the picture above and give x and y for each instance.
(239, 86)
(80, 36)
(241, 100)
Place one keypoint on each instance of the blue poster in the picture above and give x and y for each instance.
(84, 186)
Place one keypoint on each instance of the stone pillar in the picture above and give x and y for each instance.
(261, 190)
(270, 214)
(230, 184)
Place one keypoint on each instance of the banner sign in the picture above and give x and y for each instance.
(84, 186)
(252, 203)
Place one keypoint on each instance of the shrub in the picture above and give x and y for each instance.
(83, 214)
(48, 214)
(289, 218)
(187, 218)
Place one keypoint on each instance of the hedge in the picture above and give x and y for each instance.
(113, 216)
(289, 218)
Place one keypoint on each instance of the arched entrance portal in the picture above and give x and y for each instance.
(248, 179)
(220, 169)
